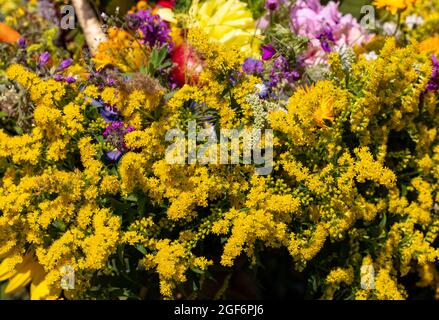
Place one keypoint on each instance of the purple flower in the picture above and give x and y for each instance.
(433, 84)
(115, 135)
(252, 66)
(152, 29)
(272, 5)
(69, 79)
(64, 64)
(262, 90)
(48, 11)
(268, 51)
(21, 42)
(325, 38)
(113, 155)
(44, 58)
(281, 71)
(109, 113)
(58, 77)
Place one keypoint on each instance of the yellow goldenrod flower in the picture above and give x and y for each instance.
(228, 21)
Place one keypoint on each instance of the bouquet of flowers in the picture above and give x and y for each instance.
(213, 149)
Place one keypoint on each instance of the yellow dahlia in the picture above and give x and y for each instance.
(29, 271)
(228, 21)
(393, 5)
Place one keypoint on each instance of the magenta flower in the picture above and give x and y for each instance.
(268, 51)
(272, 5)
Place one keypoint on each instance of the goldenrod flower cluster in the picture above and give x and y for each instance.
(354, 184)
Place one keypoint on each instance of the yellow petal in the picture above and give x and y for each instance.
(40, 289)
(20, 280)
(5, 267)
(167, 15)
(5, 271)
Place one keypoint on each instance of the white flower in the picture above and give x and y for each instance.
(370, 56)
(389, 28)
(413, 20)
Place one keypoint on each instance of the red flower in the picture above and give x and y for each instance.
(166, 3)
(188, 65)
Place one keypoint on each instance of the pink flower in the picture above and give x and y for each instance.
(310, 19)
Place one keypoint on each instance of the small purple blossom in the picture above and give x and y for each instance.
(433, 84)
(272, 5)
(252, 66)
(21, 42)
(325, 38)
(48, 11)
(281, 71)
(114, 155)
(44, 58)
(58, 77)
(109, 113)
(115, 135)
(268, 51)
(262, 90)
(152, 29)
(64, 64)
(70, 79)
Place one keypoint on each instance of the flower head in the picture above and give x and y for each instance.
(325, 38)
(21, 42)
(272, 5)
(268, 51)
(229, 22)
(152, 29)
(252, 66)
(115, 135)
(44, 58)
(64, 64)
(433, 85)
(282, 72)
(393, 5)
(324, 25)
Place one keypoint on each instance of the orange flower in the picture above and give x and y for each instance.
(7, 34)
(430, 45)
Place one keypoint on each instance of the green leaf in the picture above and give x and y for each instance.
(197, 270)
(142, 249)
